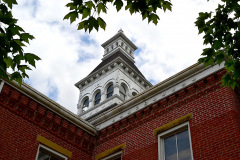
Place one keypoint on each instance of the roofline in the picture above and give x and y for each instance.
(54, 106)
(192, 70)
(107, 64)
(120, 33)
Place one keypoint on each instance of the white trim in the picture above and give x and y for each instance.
(114, 155)
(169, 132)
(154, 94)
(50, 150)
(1, 86)
(118, 61)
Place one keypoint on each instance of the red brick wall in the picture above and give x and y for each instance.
(22, 119)
(214, 128)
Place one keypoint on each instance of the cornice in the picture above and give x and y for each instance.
(42, 116)
(119, 34)
(121, 50)
(92, 78)
(52, 105)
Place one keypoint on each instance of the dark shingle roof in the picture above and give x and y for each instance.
(114, 56)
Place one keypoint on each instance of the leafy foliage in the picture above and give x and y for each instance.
(89, 11)
(12, 39)
(221, 33)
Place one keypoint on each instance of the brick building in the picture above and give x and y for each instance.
(122, 116)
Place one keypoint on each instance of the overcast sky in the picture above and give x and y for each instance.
(68, 55)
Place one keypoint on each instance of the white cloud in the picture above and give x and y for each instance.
(68, 55)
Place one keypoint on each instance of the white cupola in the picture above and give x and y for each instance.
(115, 80)
(117, 43)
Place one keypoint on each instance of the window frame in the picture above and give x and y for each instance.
(99, 99)
(121, 93)
(114, 155)
(134, 93)
(85, 106)
(50, 150)
(171, 132)
(110, 92)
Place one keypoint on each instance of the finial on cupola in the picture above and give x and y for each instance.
(120, 30)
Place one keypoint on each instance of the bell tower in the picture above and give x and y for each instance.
(115, 80)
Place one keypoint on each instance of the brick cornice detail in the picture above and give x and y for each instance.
(41, 116)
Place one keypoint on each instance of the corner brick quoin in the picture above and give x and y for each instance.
(184, 96)
(41, 116)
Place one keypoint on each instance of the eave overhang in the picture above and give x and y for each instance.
(52, 105)
(119, 34)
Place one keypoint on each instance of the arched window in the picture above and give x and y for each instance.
(122, 91)
(97, 98)
(134, 93)
(85, 104)
(110, 91)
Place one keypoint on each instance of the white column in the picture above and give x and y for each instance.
(103, 96)
(91, 103)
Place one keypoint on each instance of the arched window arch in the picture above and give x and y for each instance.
(110, 91)
(97, 98)
(134, 93)
(85, 104)
(122, 91)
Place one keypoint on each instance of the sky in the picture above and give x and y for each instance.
(68, 55)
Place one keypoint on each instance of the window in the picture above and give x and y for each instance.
(45, 153)
(122, 91)
(115, 156)
(174, 144)
(134, 93)
(86, 104)
(110, 91)
(97, 98)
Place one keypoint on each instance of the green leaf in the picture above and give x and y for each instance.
(101, 7)
(81, 25)
(101, 23)
(31, 58)
(154, 18)
(8, 61)
(17, 59)
(24, 75)
(25, 37)
(92, 22)
(167, 6)
(16, 76)
(129, 5)
(72, 6)
(90, 5)
(209, 61)
(22, 68)
(118, 4)
(208, 39)
(208, 52)
(220, 57)
(10, 2)
(217, 44)
(72, 16)
(145, 15)
(18, 41)
(86, 12)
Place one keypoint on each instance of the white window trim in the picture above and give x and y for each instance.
(167, 133)
(113, 155)
(50, 150)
